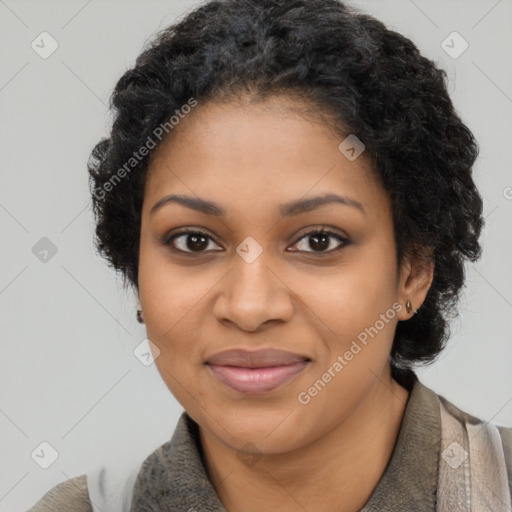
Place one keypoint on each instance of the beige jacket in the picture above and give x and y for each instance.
(444, 460)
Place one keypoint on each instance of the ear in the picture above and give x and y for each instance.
(416, 275)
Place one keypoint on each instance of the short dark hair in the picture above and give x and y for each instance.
(368, 80)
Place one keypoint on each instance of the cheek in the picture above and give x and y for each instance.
(168, 293)
(354, 296)
(173, 300)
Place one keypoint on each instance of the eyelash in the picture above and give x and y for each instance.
(168, 241)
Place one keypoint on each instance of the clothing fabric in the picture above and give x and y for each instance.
(444, 460)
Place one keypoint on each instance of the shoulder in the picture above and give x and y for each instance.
(505, 433)
(489, 439)
(69, 495)
(506, 438)
(108, 485)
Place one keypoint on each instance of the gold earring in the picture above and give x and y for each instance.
(408, 306)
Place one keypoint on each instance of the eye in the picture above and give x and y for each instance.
(188, 241)
(196, 241)
(320, 240)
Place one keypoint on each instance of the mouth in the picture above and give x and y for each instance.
(256, 372)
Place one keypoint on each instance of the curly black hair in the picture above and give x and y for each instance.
(368, 80)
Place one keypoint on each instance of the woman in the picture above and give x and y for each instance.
(288, 190)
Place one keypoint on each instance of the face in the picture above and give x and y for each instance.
(251, 262)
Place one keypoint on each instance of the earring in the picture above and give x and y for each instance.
(408, 307)
(139, 316)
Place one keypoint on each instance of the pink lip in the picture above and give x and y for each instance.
(258, 371)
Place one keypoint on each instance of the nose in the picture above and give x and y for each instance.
(253, 294)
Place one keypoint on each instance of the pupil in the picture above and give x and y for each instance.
(193, 244)
(324, 243)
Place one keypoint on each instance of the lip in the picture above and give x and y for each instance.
(256, 372)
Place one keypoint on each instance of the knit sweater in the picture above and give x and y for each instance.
(431, 469)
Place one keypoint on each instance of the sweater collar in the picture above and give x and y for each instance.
(174, 477)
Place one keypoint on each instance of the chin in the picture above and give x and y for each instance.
(270, 431)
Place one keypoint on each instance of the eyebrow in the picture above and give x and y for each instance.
(287, 209)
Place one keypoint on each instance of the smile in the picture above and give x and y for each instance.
(255, 372)
(256, 380)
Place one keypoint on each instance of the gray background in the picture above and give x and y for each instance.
(67, 372)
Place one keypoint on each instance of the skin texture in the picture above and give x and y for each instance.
(271, 451)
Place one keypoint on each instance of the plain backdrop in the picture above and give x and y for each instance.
(68, 375)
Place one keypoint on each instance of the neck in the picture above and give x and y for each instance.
(338, 471)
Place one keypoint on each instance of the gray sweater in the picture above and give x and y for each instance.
(173, 477)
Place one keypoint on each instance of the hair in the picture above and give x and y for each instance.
(366, 79)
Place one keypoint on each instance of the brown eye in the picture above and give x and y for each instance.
(321, 240)
(189, 241)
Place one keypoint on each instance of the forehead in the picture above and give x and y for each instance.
(245, 151)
